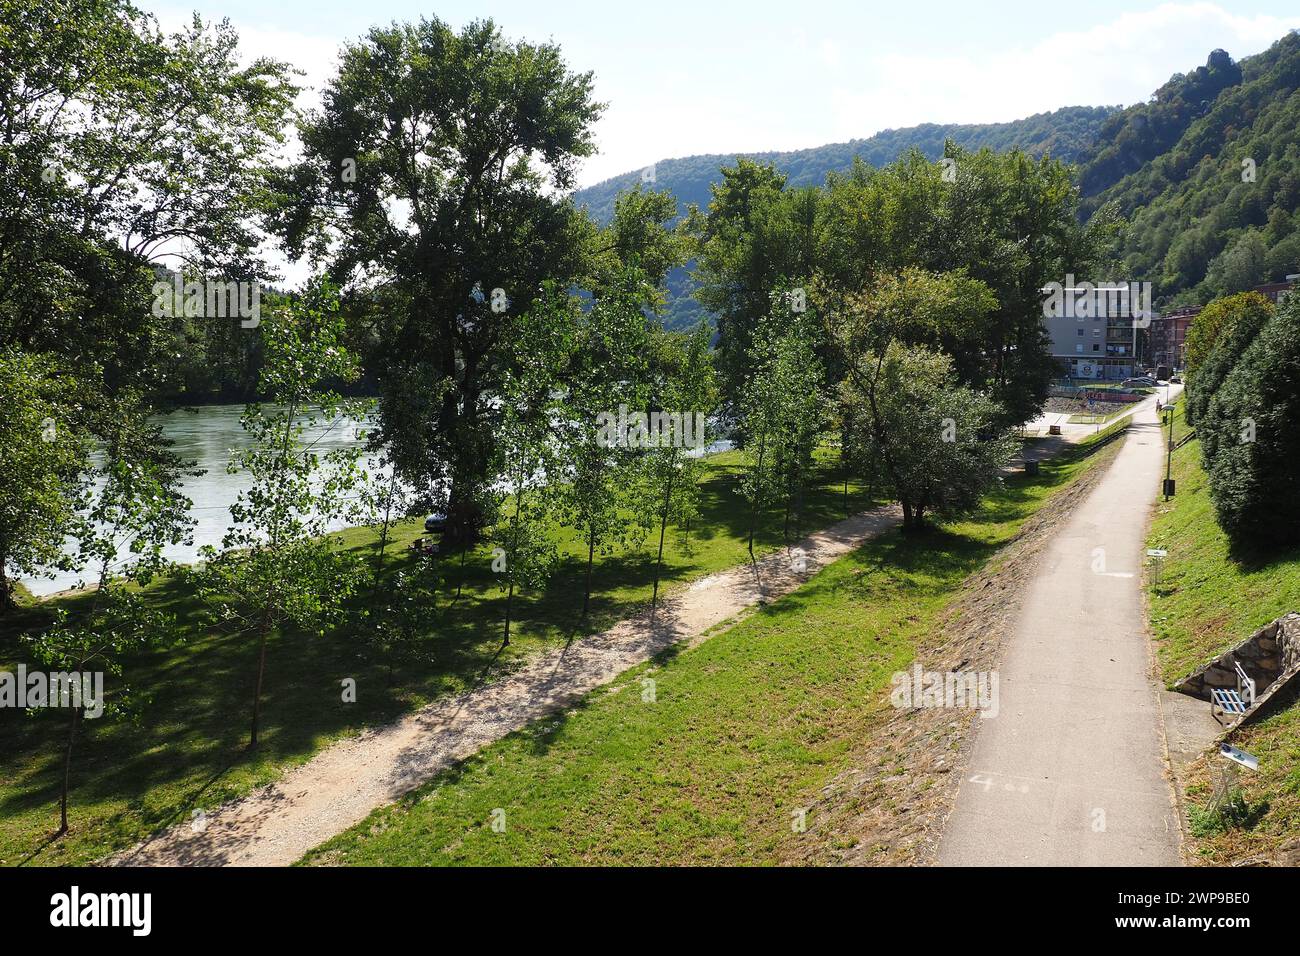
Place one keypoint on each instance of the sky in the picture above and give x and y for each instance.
(710, 76)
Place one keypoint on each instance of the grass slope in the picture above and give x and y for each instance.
(188, 751)
(738, 734)
(1209, 599)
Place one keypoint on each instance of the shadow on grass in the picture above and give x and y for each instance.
(189, 748)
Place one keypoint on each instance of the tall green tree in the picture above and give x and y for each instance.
(683, 388)
(1232, 325)
(756, 237)
(1250, 426)
(433, 178)
(938, 443)
(121, 146)
(1005, 219)
(780, 407)
(276, 570)
(530, 459)
(100, 641)
(604, 373)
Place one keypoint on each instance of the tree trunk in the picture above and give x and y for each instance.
(510, 600)
(465, 516)
(383, 536)
(663, 527)
(753, 505)
(67, 772)
(460, 581)
(514, 551)
(257, 691)
(591, 558)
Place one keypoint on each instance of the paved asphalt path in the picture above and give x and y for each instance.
(1071, 770)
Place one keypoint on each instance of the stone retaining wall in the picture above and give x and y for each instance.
(1270, 657)
(1267, 654)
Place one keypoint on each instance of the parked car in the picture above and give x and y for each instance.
(1176, 380)
(435, 522)
(1141, 382)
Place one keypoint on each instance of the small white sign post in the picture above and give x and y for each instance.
(1247, 760)
(1228, 779)
(1157, 556)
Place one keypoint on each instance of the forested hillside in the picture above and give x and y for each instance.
(1063, 133)
(1208, 173)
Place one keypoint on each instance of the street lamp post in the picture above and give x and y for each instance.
(1169, 459)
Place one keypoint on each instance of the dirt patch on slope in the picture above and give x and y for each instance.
(890, 808)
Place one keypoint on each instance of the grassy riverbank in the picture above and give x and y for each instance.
(188, 751)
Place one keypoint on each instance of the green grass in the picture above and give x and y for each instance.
(188, 751)
(1266, 815)
(1210, 596)
(744, 729)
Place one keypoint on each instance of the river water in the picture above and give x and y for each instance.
(209, 436)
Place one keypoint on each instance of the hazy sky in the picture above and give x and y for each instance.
(683, 78)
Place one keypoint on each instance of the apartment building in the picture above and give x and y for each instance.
(1169, 336)
(1094, 330)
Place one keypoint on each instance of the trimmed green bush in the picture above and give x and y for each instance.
(1217, 339)
(1251, 437)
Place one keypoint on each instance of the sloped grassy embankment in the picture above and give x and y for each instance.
(1208, 599)
(188, 750)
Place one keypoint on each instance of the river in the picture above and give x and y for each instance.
(209, 436)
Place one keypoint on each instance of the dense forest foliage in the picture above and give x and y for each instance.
(1208, 173)
(1063, 134)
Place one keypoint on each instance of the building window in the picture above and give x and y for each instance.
(1096, 348)
(1079, 347)
(1080, 331)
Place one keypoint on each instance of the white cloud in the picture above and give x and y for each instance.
(1120, 62)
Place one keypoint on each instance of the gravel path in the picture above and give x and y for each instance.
(277, 824)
